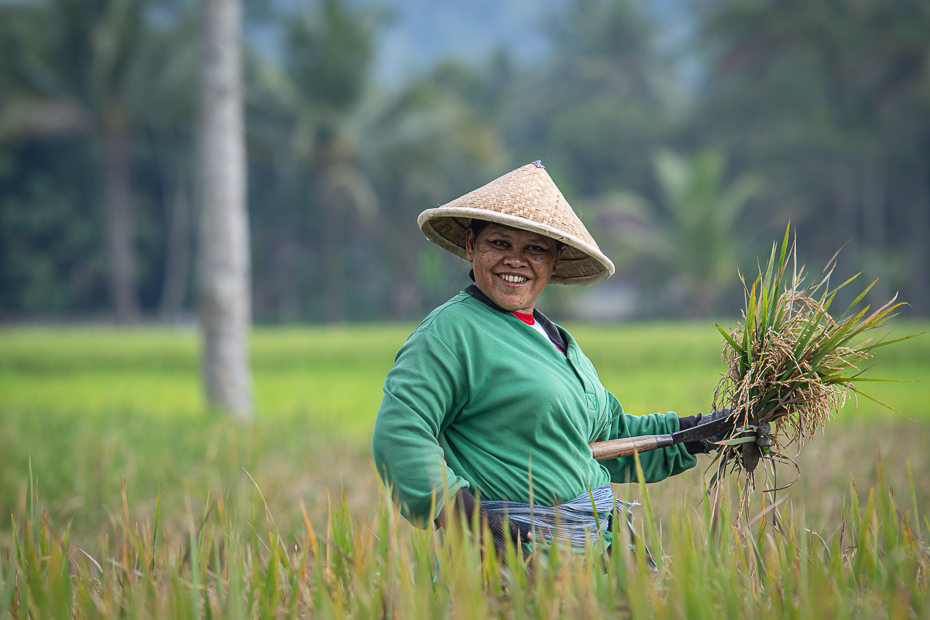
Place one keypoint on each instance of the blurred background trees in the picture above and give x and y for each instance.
(685, 134)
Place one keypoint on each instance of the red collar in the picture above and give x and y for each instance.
(526, 318)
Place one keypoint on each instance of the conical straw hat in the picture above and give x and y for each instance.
(527, 199)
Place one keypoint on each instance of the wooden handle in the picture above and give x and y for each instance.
(604, 450)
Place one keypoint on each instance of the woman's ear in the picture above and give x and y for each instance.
(469, 244)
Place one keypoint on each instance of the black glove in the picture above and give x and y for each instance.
(465, 506)
(702, 446)
(710, 443)
(763, 433)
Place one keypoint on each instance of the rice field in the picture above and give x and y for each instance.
(122, 497)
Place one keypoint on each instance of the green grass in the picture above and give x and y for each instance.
(333, 376)
(93, 409)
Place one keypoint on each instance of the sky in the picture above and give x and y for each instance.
(424, 31)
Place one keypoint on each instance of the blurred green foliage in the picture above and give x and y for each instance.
(821, 107)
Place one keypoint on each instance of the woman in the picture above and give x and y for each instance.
(489, 398)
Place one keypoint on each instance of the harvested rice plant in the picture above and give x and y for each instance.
(791, 365)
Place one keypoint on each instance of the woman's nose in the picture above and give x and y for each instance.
(514, 257)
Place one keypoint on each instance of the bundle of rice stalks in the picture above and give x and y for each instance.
(791, 364)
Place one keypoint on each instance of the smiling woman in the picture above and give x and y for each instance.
(511, 266)
(490, 399)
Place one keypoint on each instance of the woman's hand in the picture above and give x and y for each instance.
(763, 432)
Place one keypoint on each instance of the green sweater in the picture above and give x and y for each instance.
(480, 400)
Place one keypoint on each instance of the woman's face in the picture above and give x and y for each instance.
(511, 266)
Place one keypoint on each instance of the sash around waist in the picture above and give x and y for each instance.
(573, 522)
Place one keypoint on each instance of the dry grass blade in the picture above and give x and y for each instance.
(790, 363)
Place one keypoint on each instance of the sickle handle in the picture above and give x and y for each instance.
(604, 450)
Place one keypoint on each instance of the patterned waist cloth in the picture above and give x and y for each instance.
(574, 522)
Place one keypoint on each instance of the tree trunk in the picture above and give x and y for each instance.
(332, 242)
(920, 233)
(405, 300)
(844, 207)
(178, 250)
(845, 214)
(873, 204)
(874, 217)
(285, 280)
(117, 194)
(223, 260)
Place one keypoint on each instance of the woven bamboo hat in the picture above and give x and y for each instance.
(528, 199)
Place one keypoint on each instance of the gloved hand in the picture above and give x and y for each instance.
(710, 443)
(465, 509)
(763, 433)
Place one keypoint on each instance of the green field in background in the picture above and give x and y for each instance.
(333, 376)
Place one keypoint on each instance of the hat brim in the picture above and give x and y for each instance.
(581, 264)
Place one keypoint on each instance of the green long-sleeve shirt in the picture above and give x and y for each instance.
(480, 400)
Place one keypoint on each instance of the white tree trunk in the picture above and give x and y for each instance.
(223, 261)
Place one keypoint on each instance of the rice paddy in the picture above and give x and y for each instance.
(123, 498)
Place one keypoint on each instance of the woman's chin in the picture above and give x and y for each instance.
(510, 302)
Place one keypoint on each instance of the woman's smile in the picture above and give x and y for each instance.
(512, 279)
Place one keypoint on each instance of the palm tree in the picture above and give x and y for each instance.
(604, 100)
(224, 262)
(701, 241)
(313, 103)
(827, 83)
(370, 160)
(694, 243)
(95, 47)
(425, 146)
(79, 73)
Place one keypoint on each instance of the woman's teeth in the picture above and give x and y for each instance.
(513, 279)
